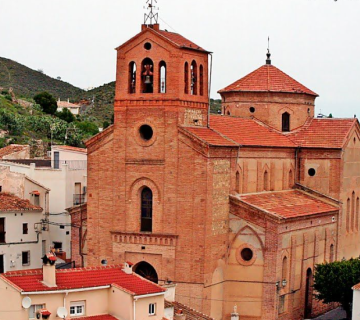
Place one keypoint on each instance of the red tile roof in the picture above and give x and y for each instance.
(248, 132)
(69, 148)
(68, 279)
(287, 204)
(9, 202)
(191, 314)
(323, 133)
(101, 317)
(179, 40)
(268, 78)
(356, 287)
(13, 148)
(65, 104)
(210, 136)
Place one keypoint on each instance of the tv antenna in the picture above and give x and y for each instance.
(151, 16)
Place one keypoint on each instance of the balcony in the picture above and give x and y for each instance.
(79, 199)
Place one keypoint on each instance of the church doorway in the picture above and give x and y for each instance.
(146, 270)
(308, 293)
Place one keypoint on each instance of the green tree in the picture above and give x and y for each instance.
(105, 124)
(88, 127)
(47, 102)
(66, 115)
(333, 282)
(330, 115)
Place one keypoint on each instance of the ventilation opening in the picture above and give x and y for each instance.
(247, 254)
(311, 172)
(146, 132)
(252, 109)
(147, 46)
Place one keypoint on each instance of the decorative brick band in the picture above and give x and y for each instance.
(145, 238)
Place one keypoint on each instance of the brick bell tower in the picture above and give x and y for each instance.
(137, 184)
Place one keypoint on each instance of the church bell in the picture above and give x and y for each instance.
(147, 80)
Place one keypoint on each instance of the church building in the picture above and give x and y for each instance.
(237, 208)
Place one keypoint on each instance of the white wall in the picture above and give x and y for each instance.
(14, 234)
(356, 305)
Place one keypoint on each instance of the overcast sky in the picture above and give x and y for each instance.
(317, 42)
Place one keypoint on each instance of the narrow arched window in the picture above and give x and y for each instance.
(266, 181)
(357, 214)
(285, 122)
(201, 80)
(284, 269)
(237, 182)
(186, 78)
(291, 179)
(352, 221)
(146, 210)
(194, 79)
(162, 77)
(331, 254)
(132, 77)
(348, 215)
(147, 76)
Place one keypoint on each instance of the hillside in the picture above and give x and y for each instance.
(27, 82)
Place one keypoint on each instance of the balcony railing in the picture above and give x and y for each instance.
(79, 199)
(2, 237)
(51, 164)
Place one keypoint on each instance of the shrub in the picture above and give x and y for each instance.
(47, 102)
(66, 115)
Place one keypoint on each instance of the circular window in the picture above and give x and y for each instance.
(147, 45)
(146, 132)
(311, 172)
(247, 254)
(252, 109)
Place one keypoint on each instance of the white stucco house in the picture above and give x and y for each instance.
(73, 108)
(356, 302)
(65, 175)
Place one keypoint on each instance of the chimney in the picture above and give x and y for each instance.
(128, 267)
(234, 314)
(49, 272)
(179, 315)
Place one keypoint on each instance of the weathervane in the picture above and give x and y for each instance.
(151, 15)
(268, 55)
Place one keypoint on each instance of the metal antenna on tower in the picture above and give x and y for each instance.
(151, 16)
(268, 55)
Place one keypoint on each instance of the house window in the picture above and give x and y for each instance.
(2, 230)
(25, 228)
(57, 246)
(77, 308)
(25, 258)
(56, 160)
(285, 122)
(146, 209)
(33, 309)
(36, 200)
(152, 309)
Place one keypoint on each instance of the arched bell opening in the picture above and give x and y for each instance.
(186, 78)
(147, 76)
(162, 77)
(132, 77)
(147, 271)
(194, 78)
(201, 80)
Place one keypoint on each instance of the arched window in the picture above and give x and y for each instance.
(201, 80)
(357, 214)
(162, 77)
(237, 182)
(186, 78)
(348, 215)
(285, 122)
(284, 269)
(228, 113)
(266, 181)
(291, 179)
(352, 221)
(132, 77)
(146, 209)
(194, 78)
(147, 76)
(331, 254)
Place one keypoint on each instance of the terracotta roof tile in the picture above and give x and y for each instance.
(268, 78)
(248, 132)
(11, 149)
(191, 314)
(287, 204)
(9, 202)
(179, 40)
(356, 287)
(65, 104)
(100, 317)
(69, 148)
(67, 279)
(323, 133)
(210, 136)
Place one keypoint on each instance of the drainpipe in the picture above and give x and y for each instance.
(134, 309)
